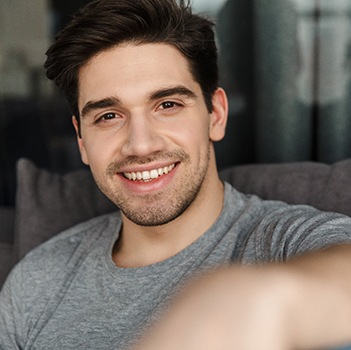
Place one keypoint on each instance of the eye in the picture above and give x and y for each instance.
(106, 117)
(169, 105)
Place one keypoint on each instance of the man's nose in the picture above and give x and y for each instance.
(143, 137)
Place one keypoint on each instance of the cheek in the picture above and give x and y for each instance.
(192, 130)
(99, 150)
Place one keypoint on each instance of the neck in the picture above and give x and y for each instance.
(141, 246)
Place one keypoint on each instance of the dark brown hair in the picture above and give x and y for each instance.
(103, 24)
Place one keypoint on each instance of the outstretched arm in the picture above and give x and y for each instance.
(304, 303)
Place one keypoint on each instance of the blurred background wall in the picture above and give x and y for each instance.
(286, 65)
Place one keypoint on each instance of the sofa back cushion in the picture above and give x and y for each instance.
(324, 186)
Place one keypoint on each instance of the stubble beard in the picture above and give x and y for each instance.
(156, 209)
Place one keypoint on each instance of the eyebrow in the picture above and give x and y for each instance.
(176, 90)
(154, 95)
(104, 103)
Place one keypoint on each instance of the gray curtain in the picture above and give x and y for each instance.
(286, 65)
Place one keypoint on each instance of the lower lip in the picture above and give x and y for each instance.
(153, 185)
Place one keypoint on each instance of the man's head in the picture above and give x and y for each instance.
(141, 78)
(104, 24)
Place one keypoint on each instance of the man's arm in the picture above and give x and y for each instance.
(303, 303)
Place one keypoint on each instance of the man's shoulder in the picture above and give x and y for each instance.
(74, 235)
(46, 262)
(66, 242)
(38, 282)
(251, 202)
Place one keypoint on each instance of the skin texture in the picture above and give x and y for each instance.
(142, 110)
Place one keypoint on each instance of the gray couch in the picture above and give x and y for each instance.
(47, 203)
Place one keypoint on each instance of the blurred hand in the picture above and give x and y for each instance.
(238, 308)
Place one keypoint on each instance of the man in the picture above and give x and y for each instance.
(164, 273)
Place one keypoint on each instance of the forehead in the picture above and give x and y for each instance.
(133, 70)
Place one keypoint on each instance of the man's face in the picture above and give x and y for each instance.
(145, 130)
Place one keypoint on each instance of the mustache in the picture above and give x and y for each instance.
(176, 156)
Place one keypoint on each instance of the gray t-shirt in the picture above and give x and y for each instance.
(68, 294)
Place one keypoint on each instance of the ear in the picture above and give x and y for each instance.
(82, 150)
(219, 115)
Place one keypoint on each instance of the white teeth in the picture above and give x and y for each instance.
(148, 175)
(154, 174)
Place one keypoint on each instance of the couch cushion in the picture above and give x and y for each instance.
(48, 203)
(326, 187)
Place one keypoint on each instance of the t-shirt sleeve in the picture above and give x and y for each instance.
(11, 315)
(294, 230)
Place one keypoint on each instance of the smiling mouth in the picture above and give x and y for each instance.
(145, 176)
